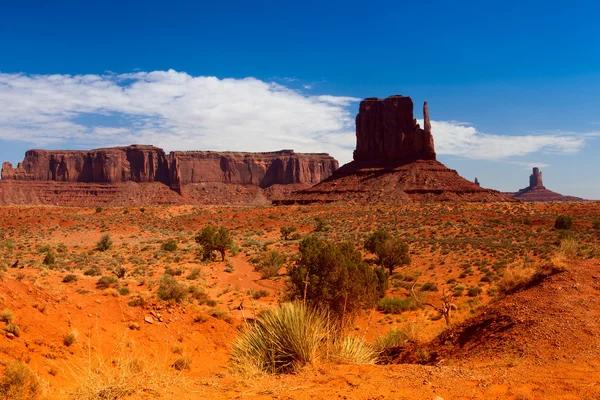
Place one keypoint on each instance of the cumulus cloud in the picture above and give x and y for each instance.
(177, 111)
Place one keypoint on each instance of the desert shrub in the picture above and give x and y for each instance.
(50, 258)
(171, 290)
(214, 239)
(170, 245)
(390, 252)
(393, 338)
(271, 263)
(119, 272)
(93, 271)
(173, 271)
(19, 382)
(338, 278)
(106, 281)
(7, 316)
(474, 291)
(70, 338)
(353, 350)
(397, 305)
(123, 291)
(13, 328)
(291, 336)
(69, 278)
(563, 222)
(320, 225)
(596, 224)
(259, 294)
(181, 363)
(286, 231)
(194, 274)
(429, 287)
(104, 244)
(98, 209)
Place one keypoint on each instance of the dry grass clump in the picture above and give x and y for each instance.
(120, 375)
(292, 336)
(19, 382)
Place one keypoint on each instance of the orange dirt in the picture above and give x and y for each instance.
(546, 344)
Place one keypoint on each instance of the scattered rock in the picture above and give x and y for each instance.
(135, 326)
(148, 319)
(10, 335)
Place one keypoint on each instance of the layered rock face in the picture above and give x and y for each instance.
(537, 192)
(119, 164)
(394, 162)
(103, 174)
(386, 131)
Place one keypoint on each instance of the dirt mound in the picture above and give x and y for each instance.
(557, 319)
(368, 183)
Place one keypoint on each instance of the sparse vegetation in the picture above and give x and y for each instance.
(104, 244)
(19, 382)
(563, 222)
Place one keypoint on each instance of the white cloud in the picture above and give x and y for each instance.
(460, 139)
(177, 111)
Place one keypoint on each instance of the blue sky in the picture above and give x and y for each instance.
(509, 84)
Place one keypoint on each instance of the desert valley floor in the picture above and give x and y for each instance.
(79, 326)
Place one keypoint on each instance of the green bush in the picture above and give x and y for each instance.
(397, 305)
(171, 290)
(474, 291)
(104, 244)
(286, 231)
(596, 224)
(170, 245)
(50, 258)
(214, 239)
(390, 252)
(563, 222)
(271, 263)
(338, 278)
(429, 287)
(93, 271)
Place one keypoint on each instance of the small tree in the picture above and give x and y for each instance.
(334, 277)
(563, 222)
(213, 239)
(271, 263)
(391, 252)
(104, 243)
(286, 231)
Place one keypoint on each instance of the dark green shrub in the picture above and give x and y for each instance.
(214, 239)
(334, 277)
(596, 224)
(563, 222)
(104, 244)
(123, 291)
(474, 291)
(429, 287)
(390, 252)
(50, 258)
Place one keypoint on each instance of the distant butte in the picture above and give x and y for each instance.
(140, 174)
(536, 191)
(394, 162)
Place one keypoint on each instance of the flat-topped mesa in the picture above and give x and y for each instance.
(135, 163)
(200, 177)
(386, 131)
(535, 179)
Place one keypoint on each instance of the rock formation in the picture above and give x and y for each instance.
(477, 182)
(144, 175)
(536, 191)
(386, 130)
(394, 162)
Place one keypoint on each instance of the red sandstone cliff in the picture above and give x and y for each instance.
(224, 177)
(386, 130)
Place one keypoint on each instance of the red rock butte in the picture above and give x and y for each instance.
(394, 162)
(140, 174)
(537, 192)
